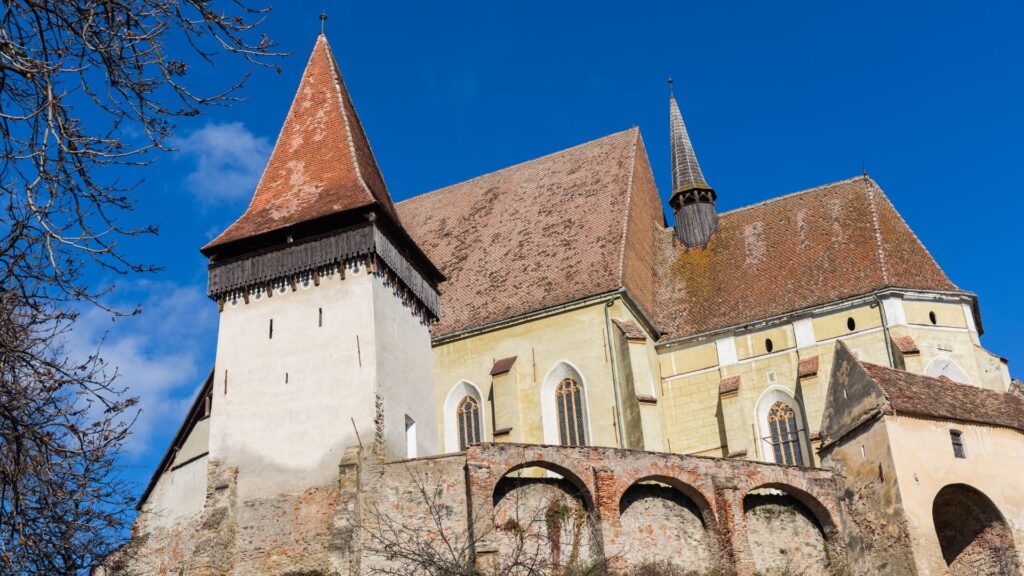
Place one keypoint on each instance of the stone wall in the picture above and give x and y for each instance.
(550, 507)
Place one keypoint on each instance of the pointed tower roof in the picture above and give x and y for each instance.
(321, 164)
(686, 174)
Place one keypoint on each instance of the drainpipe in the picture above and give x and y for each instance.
(615, 373)
(885, 331)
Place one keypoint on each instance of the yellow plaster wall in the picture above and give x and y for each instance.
(946, 314)
(923, 456)
(577, 336)
(755, 343)
(835, 325)
(983, 368)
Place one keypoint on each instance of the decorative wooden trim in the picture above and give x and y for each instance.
(283, 264)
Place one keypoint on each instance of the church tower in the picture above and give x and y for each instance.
(692, 200)
(325, 302)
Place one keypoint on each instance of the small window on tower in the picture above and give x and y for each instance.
(933, 318)
(271, 333)
(851, 324)
(768, 345)
(958, 444)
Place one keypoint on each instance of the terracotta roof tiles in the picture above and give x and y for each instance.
(794, 252)
(321, 164)
(542, 233)
(945, 399)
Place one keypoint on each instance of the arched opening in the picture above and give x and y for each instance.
(463, 426)
(666, 524)
(972, 533)
(787, 530)
(544, 518)
(564, 411)
(945, 366)
(780, 423)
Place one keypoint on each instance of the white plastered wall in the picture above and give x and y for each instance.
(292, 403)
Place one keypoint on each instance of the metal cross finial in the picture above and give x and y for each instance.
(670, 85)
(323, 20)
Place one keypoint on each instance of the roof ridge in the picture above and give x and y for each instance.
(913, 234)
(635, 129)
(629, 205)
(792, 194)
(869, 188)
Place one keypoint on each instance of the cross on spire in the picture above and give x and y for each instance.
(323, 21)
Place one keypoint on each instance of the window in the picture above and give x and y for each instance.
(569, 404)
(768, 345)
(958, 443)
(467, 417)
(933, 318)
(271, 333)
(785, 435)
(851, 324)
(410, 437)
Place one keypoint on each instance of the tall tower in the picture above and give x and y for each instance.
(325, 302)
(692, 200)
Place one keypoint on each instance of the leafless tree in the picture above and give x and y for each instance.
(428, 536)
(89, 91)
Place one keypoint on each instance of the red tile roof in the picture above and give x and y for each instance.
(729, 385)
(808, 367)
(542, 233)
(906, 345)
(321, 164)
(629, 329)
(503, 365)
(798, 251)
(945, 399)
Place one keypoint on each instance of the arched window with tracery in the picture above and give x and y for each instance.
(785, 435)
(569, 403)
(467, 415)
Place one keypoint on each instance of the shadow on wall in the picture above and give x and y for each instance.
(973, 534)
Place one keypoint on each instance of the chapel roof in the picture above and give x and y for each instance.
(789, 253)
(321, 164)
(554, 230)
(550, 231)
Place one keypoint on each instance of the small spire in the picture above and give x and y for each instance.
(323, 21)
(686, 173)
(671, 93)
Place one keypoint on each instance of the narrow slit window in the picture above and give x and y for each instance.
(270, 334)
(320, 318)
(957, 437)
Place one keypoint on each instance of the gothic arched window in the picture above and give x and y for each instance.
(569, 403)
(785, 435)
(467, 415)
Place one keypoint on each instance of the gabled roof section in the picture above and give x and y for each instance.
(539, 234)
(859, 391)
(321, 164)
(794, 252)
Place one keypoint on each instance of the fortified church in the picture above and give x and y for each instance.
(533, 372)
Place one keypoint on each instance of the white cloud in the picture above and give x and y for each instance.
(229, 160)
(161, 355)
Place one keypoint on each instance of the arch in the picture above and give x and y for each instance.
(973, 534)
(451, 404)
(789, 530)
(548, 511)
(549, 410)
(669, 523)
(771, 398)
(946, 366)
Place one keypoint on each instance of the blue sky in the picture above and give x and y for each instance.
(777, 97)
